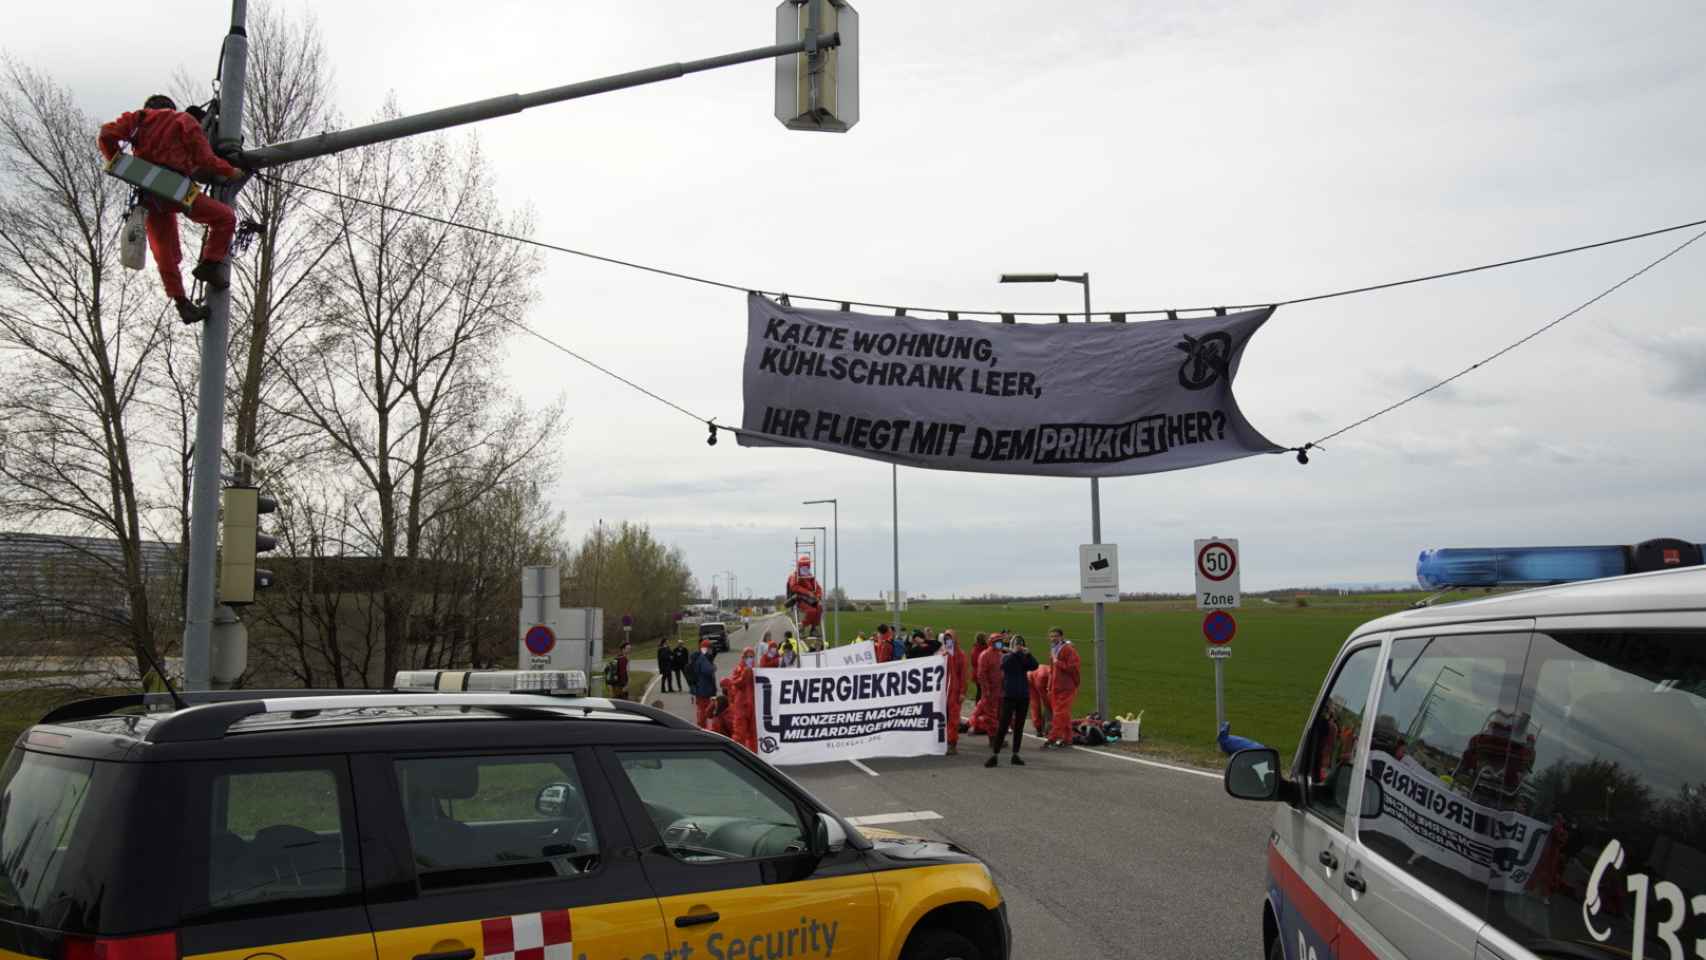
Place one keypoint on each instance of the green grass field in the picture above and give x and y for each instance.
(1157, 664)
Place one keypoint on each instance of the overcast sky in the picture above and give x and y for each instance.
(1182, 154)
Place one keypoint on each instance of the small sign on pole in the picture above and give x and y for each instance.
(1099, 572)
(1217, 574)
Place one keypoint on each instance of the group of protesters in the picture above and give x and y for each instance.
(1006, 681)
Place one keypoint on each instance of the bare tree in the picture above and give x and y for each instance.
(398, 376)
(76, 398)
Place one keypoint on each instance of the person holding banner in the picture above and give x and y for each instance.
(1016, 668)
(1040, 693)
(986, 667)
(884, 643)
(1063, 688)
(741, 709)
(955, 661)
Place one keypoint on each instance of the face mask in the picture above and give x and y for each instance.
(746, 660)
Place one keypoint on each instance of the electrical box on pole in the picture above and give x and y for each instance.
(819, 88)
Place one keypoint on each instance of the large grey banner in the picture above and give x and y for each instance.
(1060, 400)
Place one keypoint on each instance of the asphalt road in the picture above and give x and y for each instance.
(1097, 855)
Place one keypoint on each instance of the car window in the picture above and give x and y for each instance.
(1449, 750)
(1328, 757)
(42, 800)
(709, 807)
(1614, 801)
(496, 819)
(279, 834)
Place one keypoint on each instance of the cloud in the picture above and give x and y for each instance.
(1681, 356)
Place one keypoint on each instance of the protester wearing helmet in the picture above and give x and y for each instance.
(805, 595)
(1063, 688)
(954, 660)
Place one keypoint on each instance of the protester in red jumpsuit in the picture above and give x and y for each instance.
(1040, 678)
(979, 644)
(722, 709)
(805, 596)
(987, 668)
(955, 661)
(741, 714)
(1063, 686)
(161, 135)
(772, 656)
(883, 643)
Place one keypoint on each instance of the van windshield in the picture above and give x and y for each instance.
(42, 800)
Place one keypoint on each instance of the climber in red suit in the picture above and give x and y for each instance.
(806, 597)
(160, 134)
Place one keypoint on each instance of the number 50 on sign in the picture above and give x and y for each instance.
(1216, 567)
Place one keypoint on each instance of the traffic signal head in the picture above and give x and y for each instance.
(240, 540)
(818, 90)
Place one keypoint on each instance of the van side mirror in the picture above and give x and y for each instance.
(553, 800)
(1255, 775)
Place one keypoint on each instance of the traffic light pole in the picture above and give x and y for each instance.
(199, 612)
(199, 600)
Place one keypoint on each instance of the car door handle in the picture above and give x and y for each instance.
(695, 919)
(467, 953)
(1328, 860)
(1355, 882)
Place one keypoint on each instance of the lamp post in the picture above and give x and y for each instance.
(835, 591)
(1100, 624)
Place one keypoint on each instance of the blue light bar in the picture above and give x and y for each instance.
(1517, 566)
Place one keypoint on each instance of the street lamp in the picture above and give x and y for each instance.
(835, 591)
(1100, 623)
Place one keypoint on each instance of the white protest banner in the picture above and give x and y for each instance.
(894, 709)
(1048, 399)
(1497, 847)
(851, 655)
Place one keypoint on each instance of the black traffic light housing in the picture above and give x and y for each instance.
(241, 540)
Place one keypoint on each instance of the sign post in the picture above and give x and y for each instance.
(1218, 590)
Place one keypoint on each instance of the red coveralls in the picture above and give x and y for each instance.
(772, 656)
(987, 712)
(1040, 679)
(809, 606)
(722, 721)
(884, 643)
(742, 716)
(1062, 688)
(955, 660)
(173, 139)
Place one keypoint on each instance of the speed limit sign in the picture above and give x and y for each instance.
(1217, 574)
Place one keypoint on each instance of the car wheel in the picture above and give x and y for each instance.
(939, 944)
(1276, 949)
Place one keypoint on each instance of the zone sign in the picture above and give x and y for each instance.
(1217, 574)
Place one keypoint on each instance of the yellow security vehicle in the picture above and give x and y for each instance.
(509, 819)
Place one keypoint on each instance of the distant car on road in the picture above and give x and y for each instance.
(717, 633)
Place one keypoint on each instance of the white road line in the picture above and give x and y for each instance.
(863, 767)
(646, 698)
(875, 819)
(1148, 763)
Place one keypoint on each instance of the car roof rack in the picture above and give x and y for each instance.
(211, 714)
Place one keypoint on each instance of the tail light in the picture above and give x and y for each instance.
(153, 946)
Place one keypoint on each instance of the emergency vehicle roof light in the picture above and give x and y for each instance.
(1447, 567)
(559, 682)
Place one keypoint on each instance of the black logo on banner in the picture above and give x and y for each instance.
(1206, 358)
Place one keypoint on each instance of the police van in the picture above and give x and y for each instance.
(496, 815)
(1522, 775)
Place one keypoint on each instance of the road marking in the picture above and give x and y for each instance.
(875, 819)
(646, 698)
(1148, 763)
(863, 767)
